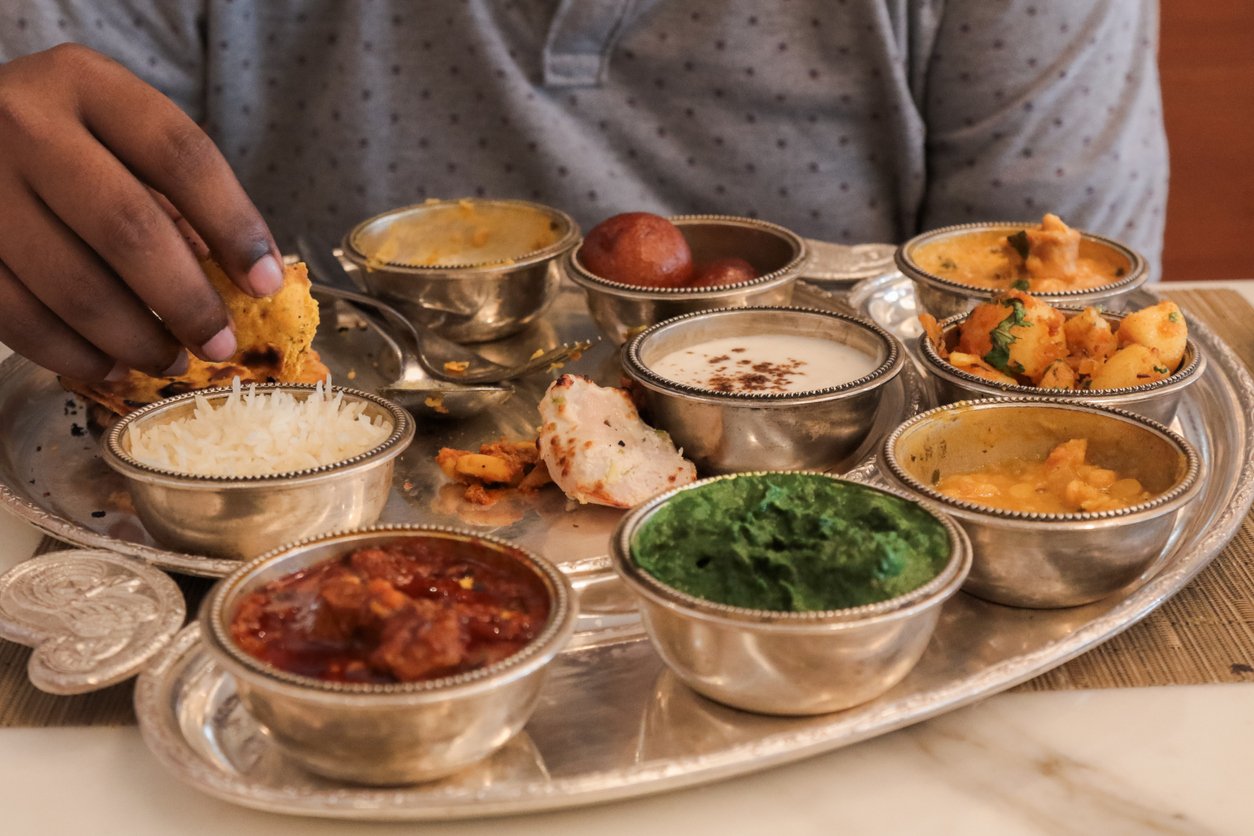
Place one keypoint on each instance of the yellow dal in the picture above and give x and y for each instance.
(459, 233)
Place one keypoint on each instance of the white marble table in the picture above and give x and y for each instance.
(1153, 760)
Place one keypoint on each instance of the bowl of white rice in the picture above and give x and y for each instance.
(235, 472)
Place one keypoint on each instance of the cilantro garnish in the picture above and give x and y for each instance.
(1174, 316)
(1022, 284)
(1020, 243)
(999, 355)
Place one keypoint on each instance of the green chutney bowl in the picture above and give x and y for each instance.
(781, 661)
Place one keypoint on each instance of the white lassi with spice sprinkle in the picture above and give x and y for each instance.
(765, 363)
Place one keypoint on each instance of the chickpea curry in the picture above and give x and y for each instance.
(1064, 483)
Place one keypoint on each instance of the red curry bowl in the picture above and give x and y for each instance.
(392, 654)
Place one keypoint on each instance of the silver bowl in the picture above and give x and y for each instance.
(790, 663)
(1157, 401)
(241, 517)
(482, 286)
(943, 298)
(1049, 560)
(387, 733)
(622, 310)
(724, 432)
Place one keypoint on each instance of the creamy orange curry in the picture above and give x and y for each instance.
(1047, 258)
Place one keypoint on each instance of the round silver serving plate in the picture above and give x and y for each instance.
(615, 723)
(612, 722)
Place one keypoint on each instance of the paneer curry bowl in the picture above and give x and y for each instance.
(957, 267)
(1064, 503)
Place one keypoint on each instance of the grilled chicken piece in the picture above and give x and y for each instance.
(598, 450)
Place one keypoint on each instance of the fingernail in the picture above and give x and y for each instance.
(221, 346)
(178, 367)
(266, 276)
(117, 373)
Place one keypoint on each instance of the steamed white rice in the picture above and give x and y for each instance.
(251, 434)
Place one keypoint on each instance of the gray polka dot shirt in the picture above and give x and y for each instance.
(847, 120)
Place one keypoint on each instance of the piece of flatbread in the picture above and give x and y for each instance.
(274, 337)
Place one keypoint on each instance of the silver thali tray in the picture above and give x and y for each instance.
(613, 722)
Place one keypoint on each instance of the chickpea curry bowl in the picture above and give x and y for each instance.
(956, 267)
(391, 654)
(1064, 502)
(1017, 344)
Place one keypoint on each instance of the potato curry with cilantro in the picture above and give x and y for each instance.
(1018, 340)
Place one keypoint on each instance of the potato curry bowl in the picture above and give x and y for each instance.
(1064, 502)
(1018, 345)
(392, 654)
(957, 267)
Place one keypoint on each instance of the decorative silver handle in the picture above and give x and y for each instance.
(94, 618)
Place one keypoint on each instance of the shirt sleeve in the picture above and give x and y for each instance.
(161, 42)
(1035, 107)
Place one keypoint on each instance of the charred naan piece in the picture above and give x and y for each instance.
(273, 333)
(274, 337)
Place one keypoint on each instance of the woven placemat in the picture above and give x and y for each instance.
(1205, 634)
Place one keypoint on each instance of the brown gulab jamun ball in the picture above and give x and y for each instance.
(720, 271)
(637, 248)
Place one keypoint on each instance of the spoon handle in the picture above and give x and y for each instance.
(388, 321)
(328, 271)
(429, 350)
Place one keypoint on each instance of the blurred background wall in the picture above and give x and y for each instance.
(1206, 59)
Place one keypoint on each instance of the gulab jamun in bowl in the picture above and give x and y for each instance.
(393, 654)
(639, 269)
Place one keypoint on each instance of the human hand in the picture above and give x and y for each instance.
(110, 193)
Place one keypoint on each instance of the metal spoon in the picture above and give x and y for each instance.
(413, 388)
(442, 358)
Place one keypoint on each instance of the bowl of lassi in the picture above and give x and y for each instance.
(764, 387)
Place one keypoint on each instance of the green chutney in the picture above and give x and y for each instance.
(791, 542)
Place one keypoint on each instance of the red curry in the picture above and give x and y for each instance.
(417, 609)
